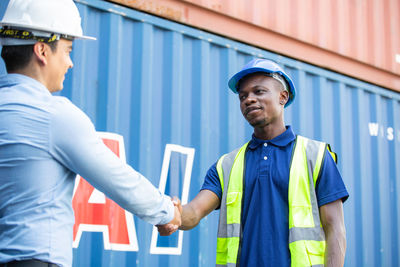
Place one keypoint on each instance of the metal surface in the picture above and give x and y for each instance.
(158, 84)
(359, 38)
(357, 29)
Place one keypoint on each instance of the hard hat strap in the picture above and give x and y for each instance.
(40, 36)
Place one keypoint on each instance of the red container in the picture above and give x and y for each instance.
(359, 38)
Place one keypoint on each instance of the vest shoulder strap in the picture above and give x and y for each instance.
(224, 166)
(306, 236)
(315, 154)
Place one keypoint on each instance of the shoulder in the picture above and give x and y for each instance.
(67, 120)
(211, 181)
(300, 138)
(234, 152)
(330, 185)
(68, 114)
(61, 103)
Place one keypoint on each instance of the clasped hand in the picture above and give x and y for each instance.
(172, 226)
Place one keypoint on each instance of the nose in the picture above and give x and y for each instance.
(250, 99)
(70, 63)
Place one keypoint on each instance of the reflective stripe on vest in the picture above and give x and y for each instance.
(230, 165)
(306, 238)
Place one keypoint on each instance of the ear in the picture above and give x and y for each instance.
(41, 52)
(283, 97)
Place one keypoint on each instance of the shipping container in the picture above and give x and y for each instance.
(359, 38)
(157, 90)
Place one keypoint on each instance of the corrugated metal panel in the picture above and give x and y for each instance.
(357, 38)
(358, 29)
(156, 82)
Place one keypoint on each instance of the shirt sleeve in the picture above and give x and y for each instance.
(211, 181)
(330, 186)
(74, 143)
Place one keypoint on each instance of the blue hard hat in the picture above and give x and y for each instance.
(266, 66)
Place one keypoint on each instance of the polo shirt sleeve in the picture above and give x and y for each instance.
(75, 144)
(330, 186)
(211, 181)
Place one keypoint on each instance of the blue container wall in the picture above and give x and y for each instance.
(156, 82)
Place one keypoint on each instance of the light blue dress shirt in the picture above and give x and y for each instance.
(45, 141)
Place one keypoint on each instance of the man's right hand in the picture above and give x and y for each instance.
(172, 226)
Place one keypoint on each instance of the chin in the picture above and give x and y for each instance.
(255, 123)
(258, 123)
(56, 89)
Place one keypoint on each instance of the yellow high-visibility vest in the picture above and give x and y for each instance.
(306, 236)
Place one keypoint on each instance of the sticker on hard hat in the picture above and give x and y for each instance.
(26, 35)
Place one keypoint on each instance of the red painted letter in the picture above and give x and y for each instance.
(96, 213)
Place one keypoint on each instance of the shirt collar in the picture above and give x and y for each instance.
(15, 78)
(281, 140)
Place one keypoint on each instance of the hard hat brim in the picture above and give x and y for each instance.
(44, 29)
(234, 81)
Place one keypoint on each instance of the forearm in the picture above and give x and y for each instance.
(130, 189)
(205, 202)
(189, 218)
(332, 220)
(86, 154)
(335, 247)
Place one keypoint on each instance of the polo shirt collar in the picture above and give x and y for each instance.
(281, 140)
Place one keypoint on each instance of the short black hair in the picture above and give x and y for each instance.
(18, 56)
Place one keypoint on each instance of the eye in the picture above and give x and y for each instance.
(242, 97)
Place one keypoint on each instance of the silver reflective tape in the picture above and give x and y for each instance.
(233, 230)
(304, 233)
(310, 233)
(312, 149)
(226, 165)
(227, 265)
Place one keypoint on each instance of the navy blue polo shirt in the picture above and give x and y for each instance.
(265, 207)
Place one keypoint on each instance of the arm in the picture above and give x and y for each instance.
(204, 203)
(335, 233)
(74, 143)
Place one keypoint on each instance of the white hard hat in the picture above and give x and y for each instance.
(43, 18)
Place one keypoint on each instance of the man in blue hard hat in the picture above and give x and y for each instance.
(45, 141)
(280, 195)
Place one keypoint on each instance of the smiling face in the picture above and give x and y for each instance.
(59, 62)
(262, 101)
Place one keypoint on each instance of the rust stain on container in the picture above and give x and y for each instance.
(360, 36)
(160, 8)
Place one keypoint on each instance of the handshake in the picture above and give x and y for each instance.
(172, 226)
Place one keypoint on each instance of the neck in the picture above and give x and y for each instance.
(33, 73)
(269, 131)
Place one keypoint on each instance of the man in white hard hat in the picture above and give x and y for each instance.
(45, 141)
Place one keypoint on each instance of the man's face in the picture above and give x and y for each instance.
(262, 100)
(59, 62)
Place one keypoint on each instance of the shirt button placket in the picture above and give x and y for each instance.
(265, 145)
